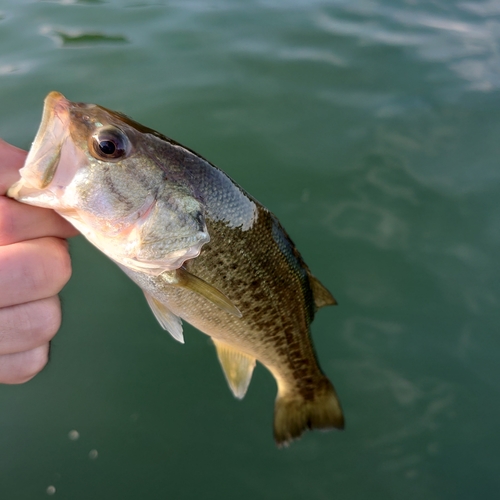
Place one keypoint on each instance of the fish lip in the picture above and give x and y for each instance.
(55, 105)
(43, 158)
(55, 109)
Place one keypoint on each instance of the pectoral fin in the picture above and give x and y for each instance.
(237, 366)
(197, 285)
(167, 319)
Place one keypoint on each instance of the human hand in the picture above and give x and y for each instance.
(34, 267)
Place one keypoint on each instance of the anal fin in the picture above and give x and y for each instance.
(167, 319)
(237, 366)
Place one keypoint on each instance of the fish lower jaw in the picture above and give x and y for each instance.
(132, 261)
(148, 267)
(156, 267)
(127, 250)
(26, 192)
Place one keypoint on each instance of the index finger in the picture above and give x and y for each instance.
(19, 222)
(11, 160)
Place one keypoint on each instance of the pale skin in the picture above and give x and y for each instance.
(34, 267)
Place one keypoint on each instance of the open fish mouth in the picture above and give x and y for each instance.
(44, 157)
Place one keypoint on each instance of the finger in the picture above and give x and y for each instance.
(11, 160)
(33, 270)
(22, 366)
(26, 326)
(19, 222)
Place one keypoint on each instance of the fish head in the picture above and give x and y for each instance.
(112, 179)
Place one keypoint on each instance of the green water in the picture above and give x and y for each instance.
(371, 128)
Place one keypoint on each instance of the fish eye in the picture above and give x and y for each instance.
(109, 143)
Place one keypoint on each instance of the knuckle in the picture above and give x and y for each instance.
(21, 367)
(35, 361)
(55, 269)
(63, 260)
(6, 220)
(33, 270)
(29, 325)
(44, 320)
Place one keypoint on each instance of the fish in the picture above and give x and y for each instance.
(201, 249)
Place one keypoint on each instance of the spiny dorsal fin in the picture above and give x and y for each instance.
(322, 297)
(237, 366)
(197, 285)
(167, 319)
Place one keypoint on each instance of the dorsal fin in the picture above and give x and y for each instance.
(167, 319)
(237, 367)
(187, 280)
(322, 297)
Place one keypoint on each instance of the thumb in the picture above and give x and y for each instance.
(11, 160)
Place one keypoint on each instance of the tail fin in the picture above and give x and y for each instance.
(293, 413)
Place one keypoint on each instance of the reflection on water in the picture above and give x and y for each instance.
(80, 38)
(467, 44)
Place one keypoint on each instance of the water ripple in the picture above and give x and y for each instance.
(368, 31)
(372, 336)
(365, 220)
(469, 47)
(312, 55)
(486, 9)
(73, 2)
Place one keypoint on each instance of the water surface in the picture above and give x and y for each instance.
(371, 129)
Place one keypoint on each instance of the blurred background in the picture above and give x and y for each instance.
(371, 128)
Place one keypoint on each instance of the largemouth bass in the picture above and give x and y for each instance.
(201, 249)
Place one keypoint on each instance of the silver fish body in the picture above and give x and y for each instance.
(196, 243)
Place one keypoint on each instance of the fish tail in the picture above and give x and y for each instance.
(294, 413)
